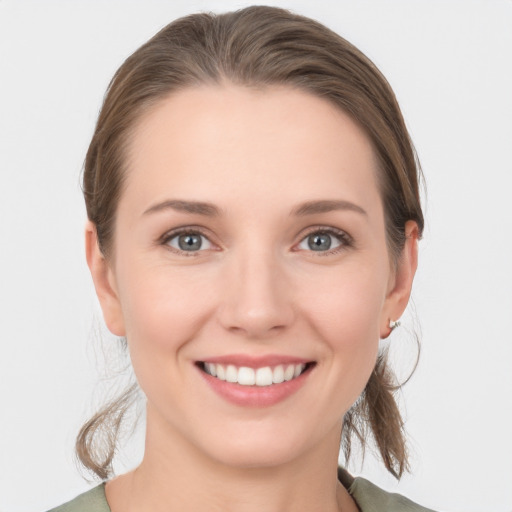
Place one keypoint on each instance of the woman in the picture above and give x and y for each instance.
(254, 214)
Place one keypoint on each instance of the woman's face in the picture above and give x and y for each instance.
(250, 243)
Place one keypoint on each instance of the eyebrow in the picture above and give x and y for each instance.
(194, 207)
(324, 206)
(210, 210)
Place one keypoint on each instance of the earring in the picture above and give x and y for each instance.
(393, 324)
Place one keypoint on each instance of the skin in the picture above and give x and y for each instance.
(256, 287)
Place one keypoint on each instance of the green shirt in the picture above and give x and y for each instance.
(369, 498)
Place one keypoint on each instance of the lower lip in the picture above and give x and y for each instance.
(255, 396)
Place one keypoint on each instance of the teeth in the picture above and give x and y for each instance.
(211, 368)
(264, 376)
(221, 372)
(289, 372)
(231, 374)
(278, 374)
(245, 376)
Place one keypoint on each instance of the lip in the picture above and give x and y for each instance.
(255, 396)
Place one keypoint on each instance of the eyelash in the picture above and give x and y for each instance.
(345, 239)
(189, 230)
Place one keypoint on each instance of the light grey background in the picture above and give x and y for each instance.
(450, 65)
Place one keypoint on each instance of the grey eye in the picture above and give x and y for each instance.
(189, 242)
(320, 241)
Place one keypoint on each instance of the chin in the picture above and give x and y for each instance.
(263, 448)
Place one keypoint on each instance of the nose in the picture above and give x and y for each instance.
(256, 296)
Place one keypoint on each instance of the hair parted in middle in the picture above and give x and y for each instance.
(256, 47)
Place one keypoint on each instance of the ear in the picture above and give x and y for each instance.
(400, 284)
(104, 282)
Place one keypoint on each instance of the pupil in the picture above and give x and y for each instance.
(319, 242)
(189, 242)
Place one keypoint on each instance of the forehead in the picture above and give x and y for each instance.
(233, 141)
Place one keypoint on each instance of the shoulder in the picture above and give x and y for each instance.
(93, 500)
(370, 498)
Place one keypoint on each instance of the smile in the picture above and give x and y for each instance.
(246, 376)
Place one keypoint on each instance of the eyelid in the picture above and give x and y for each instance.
(173, 233)
(346, 241)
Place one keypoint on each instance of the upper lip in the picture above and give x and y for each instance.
(251, 361)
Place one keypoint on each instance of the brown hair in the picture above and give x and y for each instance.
(256, 46)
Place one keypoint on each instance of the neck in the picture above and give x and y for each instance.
(175, 476)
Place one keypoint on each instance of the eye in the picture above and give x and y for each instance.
(188, 241)
(324, 240)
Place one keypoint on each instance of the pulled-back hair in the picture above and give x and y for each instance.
(256, 47)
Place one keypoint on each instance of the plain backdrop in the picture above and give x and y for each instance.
(449, 63)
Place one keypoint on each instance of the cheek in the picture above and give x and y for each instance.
(163, 308)
(353, 334)
(163, 312)
(348, 305)
(346, 317)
